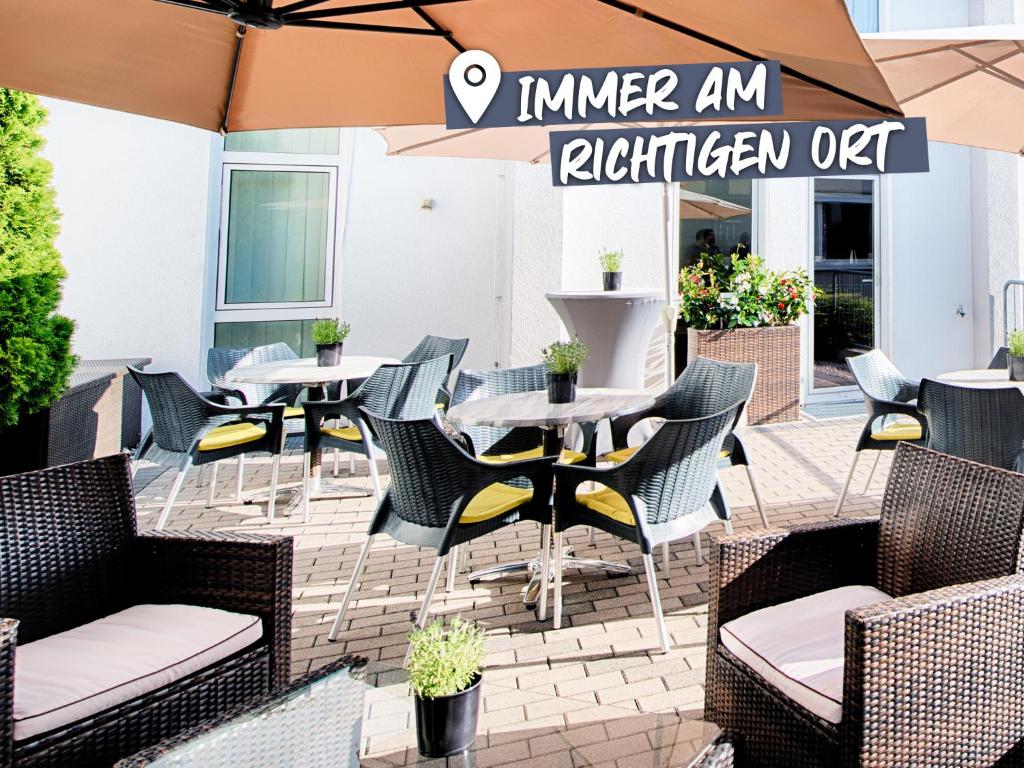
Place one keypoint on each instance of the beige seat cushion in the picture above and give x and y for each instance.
(798, 647)
(66, 677)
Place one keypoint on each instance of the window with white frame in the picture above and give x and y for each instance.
(276, 253)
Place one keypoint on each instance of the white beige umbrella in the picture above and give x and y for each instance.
(694, 205)
(967, 82)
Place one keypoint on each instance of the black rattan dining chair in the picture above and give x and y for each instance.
(980, 424)
(441, 496)
(431, 347)
(667, 490)
(71, 558)
(395, 390)
(190, 430)
(1000, 360)
(704, 387)
(893, 418)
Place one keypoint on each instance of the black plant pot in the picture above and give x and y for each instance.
(329, 354)
(561, 387)
(1016, 366)
(612, 280)
(447, 725)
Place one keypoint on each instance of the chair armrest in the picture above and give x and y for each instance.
(752, 571)
(881, 407)
(318, 410)
(242, 572)
(908, 390)
(8, 640)
(220, 395)
(936, 674)
(621, 425)
(540, 473)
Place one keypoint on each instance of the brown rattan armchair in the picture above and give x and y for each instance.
(70, 558)
(930, 673)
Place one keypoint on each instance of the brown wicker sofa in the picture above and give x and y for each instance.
(70, 555)
(930, 674)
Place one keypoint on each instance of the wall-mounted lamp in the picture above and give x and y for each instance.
(427, 204)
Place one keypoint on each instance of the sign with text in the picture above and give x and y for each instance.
(477, 94)
(750, 151)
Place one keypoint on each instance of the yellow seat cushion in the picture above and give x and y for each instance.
(621, 455)
(343, 433)
(293, 412)
(567, 457)
(898, 430)
(230, 435)
(608, 503)
(494, 500)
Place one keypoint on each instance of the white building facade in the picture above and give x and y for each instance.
(176, 239)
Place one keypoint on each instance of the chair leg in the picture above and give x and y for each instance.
(272, 503)
(357, 572)
(590, 536)
(846, 485)
(173, 494)
(697, 550)
(666, 556)
(464, 559)
(871, 474)
(545, 572)
(727, 524)
(337, 459)
(424, 614)
(240, 478)
(659, 618)
(305, 487)
(213, 484)
(757, 495)
(453, 567)
(371, 457)
(557, 547)
(351, 463)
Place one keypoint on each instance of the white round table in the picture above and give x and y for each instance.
(306, 372)
(532, 409)
(980, 378)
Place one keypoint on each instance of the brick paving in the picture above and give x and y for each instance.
(602, 666)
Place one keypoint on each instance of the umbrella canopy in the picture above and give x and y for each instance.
(967, 82)
(311, 63)
(694, 205)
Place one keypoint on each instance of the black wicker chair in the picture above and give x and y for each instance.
(908, 632)
(397, 390)
(891, 401)
(70, 555)
(1000, 360)
(983, 425)
(441, 496)
(190, 430)
(431, 347)
(665, 491)
(705, 387)
(221, 360)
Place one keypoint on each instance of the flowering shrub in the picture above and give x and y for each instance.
(714, 296)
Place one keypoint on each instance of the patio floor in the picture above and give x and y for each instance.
(602, 665)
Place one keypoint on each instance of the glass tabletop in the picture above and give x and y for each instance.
(350, 716)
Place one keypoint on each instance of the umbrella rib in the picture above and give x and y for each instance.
(980, 67)
(298, 6)
(437, 140)
(214, 6)
(351, 10)
(240, 34)
(989, 68)
(368, 27)
(786, 69)
(449, 36)
(928, 51)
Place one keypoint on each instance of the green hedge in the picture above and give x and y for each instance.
(35, 342)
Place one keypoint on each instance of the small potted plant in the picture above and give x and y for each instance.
(444, 672)
(564, 360)
(1015, 356)
(611, 265)
(329, 335)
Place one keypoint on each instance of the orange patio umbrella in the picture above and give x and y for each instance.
(967, 82)
(236, 65)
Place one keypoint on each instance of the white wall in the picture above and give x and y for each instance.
(133, 193)
(405, 271)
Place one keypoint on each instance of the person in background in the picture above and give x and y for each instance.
(742, 249)
(703, 243)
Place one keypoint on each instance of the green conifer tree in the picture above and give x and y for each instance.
(35, 342)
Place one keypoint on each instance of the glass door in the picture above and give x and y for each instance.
(845, 270)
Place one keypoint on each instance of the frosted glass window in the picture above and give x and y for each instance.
(308, 141)
(276, 237)
(297, 334)
(864, 14)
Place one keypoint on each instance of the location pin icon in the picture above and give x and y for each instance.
(474, 77)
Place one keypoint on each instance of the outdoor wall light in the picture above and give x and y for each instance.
(427, 204)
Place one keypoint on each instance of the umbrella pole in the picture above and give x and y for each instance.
(670, 312)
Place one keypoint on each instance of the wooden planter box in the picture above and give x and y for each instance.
(776, 350)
